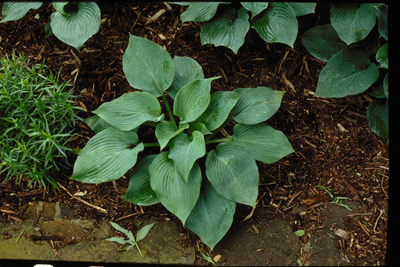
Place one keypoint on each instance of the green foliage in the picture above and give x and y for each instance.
(198, 174)
(72, 22)
(37, 117)
(130, 240)
(356, 51)
(227, 24)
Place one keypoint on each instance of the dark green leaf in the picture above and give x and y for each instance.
(378, 117)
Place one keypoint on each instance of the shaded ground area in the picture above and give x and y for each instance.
(336, 152)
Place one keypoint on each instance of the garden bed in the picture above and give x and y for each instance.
(336, 152)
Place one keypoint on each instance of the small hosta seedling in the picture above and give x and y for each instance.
(196, 173)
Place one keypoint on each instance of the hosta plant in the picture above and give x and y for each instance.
(37, 118)
(186, 164)
(227, 24)
(355, 47)
(72, 22)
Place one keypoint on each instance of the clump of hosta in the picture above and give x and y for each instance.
(355, 47)
(227, 23)
(199, 175)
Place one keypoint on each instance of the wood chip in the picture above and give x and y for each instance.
(341, 233)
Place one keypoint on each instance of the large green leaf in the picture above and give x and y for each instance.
(262, 141)
(322, 42)
(255, 7)
(256, 105)
(186, 70)
(16, 10)
(200, 11)
(378, 117)
(233, 173)
(227, 28)
(131, 110)
(349, 72)
(76, 28)
(382, 15)
(97, 124)
(212, 216)
(166, 130)
(277, 23)
(107, 156)
(147, 66)
(382, 56)
(184, 151)
(353, 21)
(177, 195)
(301, 9)
(221, 104)
(139, 190)
(193, 99)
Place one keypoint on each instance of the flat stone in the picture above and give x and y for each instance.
(259, 243)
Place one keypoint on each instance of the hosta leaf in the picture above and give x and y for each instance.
(255, 7)
(97, 124)
(322, 42)
(378, 117)
(353, 21)
(59, 6)
(262, 141)
(382, 15)
(107, 156)
(151, 74)
(186, 70)
(16, 10)
(382, 56)
(256, 105)
(139, 189)
(177, 195)
(200, 11)
(130, 110)
(277, 24)
(227, 28)
(301, 9)
(233, 172)
(221, 104)
(193, 99)
(77, 27)
(212, 216)
(166, 130)
(184, 152)
(198, 126)
(349, 72)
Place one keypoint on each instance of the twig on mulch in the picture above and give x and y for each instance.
(83, 201)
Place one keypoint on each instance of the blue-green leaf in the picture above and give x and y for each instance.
(301, 9)
(139, 189)
(147, 66)
(200, 11)
(174, 192)
(186, 70)
(378, 117)
(193, 99)
(131, 110)
(107, 156)
(76, 28)
(353, 21)
(212, 216)
(262, 141)
(166, 130)
(277, 24)
(233, 172)
(256, 105)
(349, 72)
(255, 7)
(16, 10)
(227, 28)
(184, 152)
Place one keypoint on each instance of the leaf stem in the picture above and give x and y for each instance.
(226, 139)
(170, 114)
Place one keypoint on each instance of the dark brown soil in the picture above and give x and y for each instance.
(334, 146)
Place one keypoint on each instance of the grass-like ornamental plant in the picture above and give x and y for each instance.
(227, 23)
(72, 22)
(37, 117)
(193, 170)
(355, 47)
